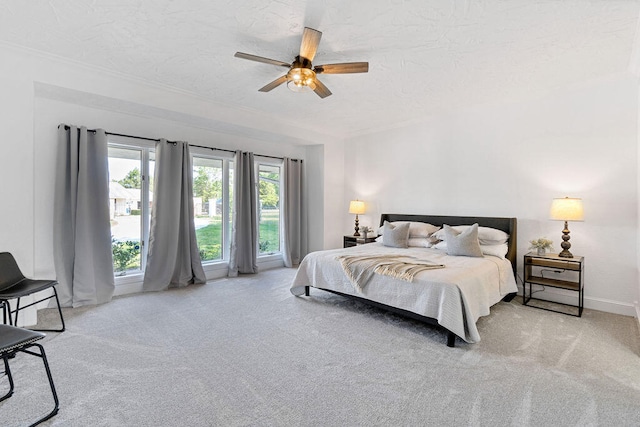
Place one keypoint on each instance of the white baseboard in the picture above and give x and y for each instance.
(600, 304)
(128, 288)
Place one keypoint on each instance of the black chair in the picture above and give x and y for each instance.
(13, 285)
(14, 340)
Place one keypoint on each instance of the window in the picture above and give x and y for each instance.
(208, 207)
(268, 208)
(131, 166)
(212, 176)
(130, 197)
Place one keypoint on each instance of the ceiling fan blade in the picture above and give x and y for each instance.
(320, 89)
(344, 68)
(261, 59)
(310, 42)
(274, 84)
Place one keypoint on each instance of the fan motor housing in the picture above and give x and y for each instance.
(301, 62)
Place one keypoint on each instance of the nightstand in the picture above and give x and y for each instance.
(349, 241)
(555, 272)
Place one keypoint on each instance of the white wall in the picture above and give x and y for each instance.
(334, 207)
(315, 186)
(512, 160)
(637, 74)
(16, 161)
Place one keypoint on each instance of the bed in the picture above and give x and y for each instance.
(453, 297)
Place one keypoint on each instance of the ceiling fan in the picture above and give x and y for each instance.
(302, 74)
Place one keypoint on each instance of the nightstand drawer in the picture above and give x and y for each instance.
(551, 261)
(349, 241)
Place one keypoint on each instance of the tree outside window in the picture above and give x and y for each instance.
(208, 178)
(269, 209)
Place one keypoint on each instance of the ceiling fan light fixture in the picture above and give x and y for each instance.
(301, 79)
(302, 75)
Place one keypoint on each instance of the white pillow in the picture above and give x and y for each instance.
(441, 245)
(416, 229)
(416, 242)
(419, 242)
(395, 236)
(432, 241)
(499, 251)
(486, 235)
(463, 243)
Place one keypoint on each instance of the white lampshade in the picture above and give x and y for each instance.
(356, 207)
(567, 209)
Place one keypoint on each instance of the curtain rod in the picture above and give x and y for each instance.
(66, 127)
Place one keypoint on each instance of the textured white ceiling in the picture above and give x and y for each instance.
(425, 56)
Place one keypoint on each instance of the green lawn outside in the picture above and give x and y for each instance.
(126, 254)
(209, 238)
(269, 231)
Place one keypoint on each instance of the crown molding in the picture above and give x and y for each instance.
(264, 122)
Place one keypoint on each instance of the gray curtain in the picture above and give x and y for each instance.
(173, 259)
(82, 233)
(244, 231)
(294, 227)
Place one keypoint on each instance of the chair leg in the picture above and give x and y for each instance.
(17, 310)
(7, 314)
(7, 371)
(43, 356)
(55, 293)
(5, 310)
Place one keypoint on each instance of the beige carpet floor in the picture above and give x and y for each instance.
(245, 352)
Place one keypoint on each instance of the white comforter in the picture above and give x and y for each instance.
(456, 296)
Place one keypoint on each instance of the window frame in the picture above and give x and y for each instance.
(145, 147)
(279, 163)
(227, 160)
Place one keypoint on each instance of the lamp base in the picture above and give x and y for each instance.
(565, 254)
(357, 227)
(565, 243)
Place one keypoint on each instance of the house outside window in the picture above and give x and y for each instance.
(130, 197)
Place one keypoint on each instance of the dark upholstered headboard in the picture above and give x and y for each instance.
(508, 225)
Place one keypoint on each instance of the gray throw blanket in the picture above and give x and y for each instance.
(360, 268)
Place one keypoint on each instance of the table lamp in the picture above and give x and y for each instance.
(356, 207)
(566, 209)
